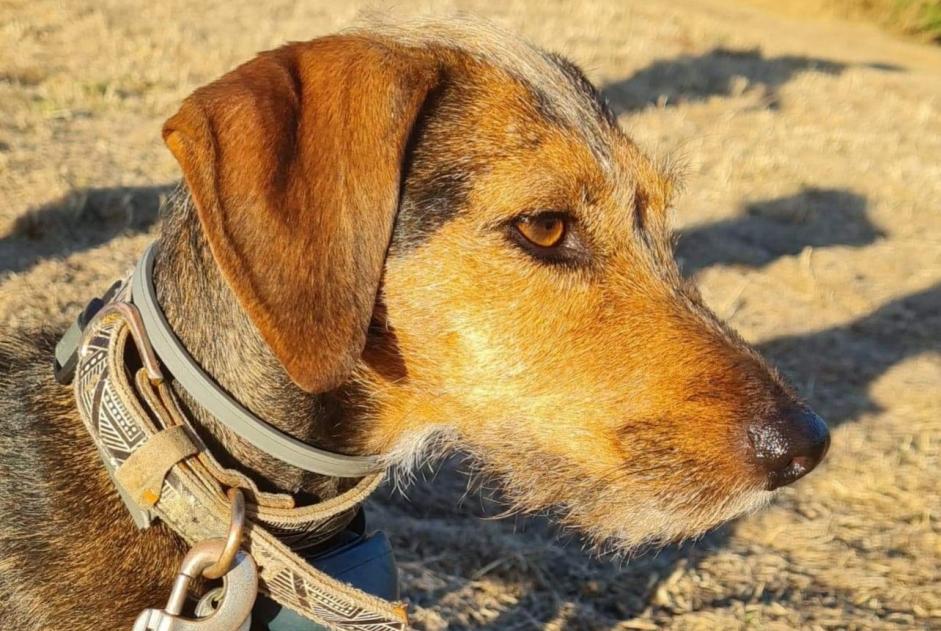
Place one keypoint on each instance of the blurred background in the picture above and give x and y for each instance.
(810, 134)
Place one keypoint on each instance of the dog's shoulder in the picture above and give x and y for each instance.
(57, 555)
(27, 388)
(37, 415)
(41, 435)
(39, 439)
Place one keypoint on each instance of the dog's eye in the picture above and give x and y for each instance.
(550, 237)
(545, 231)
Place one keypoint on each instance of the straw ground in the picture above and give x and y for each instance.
(810, 219)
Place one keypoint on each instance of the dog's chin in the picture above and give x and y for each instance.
(614, 519)
(637, 526)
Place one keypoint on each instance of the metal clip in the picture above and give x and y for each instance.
(132, 317)
(240, 587)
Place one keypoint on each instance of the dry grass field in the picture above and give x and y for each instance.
(811, 219)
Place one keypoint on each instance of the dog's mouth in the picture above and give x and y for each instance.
(648, 505)
(651, 515)
(644, 523)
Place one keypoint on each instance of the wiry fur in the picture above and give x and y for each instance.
(416, 449)
(601, 390)
(551, 78)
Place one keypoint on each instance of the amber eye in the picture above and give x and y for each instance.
(546, 231)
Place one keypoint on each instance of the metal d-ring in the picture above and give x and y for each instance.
(233, 539)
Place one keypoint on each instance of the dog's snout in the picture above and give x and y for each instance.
(789, 446)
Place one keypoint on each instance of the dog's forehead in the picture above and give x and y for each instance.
(516, 100)
(556, 86)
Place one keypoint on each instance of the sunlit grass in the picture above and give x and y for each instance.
(927, 17)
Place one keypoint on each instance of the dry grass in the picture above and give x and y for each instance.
(810, 218)
(918, 18)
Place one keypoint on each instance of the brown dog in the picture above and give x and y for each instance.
(393, 238)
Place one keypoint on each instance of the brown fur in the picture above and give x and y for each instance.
(341, 264)
(276, 152)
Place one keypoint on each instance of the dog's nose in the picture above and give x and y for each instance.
(790, 446)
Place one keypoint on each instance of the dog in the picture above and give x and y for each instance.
(397, 238)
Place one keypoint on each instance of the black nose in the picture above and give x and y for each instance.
(789, 446)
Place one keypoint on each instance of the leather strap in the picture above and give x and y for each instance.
(143, 472)
(219, 403)
(124, 416)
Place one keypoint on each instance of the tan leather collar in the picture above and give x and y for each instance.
(161, 468)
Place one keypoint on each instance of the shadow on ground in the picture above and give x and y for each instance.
(766, 230)
(837, 366)
(80, 221)
(719, 72)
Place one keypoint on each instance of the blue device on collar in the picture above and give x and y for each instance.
(363, 560)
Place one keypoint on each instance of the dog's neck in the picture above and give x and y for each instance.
(206, 317)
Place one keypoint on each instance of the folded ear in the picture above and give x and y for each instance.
(294, 162)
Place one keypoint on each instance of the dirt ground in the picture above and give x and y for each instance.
(810, 217)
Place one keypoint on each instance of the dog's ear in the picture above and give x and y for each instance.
(294, 162)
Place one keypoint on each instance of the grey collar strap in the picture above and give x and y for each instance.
(219, 403)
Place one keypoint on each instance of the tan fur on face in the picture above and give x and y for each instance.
(607, 392)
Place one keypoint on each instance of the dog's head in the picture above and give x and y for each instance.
(454, 223)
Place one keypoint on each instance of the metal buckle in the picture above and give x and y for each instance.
(212, 558)
(65, 359)
(234, 610)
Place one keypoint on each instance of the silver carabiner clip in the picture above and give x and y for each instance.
(233, 613)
